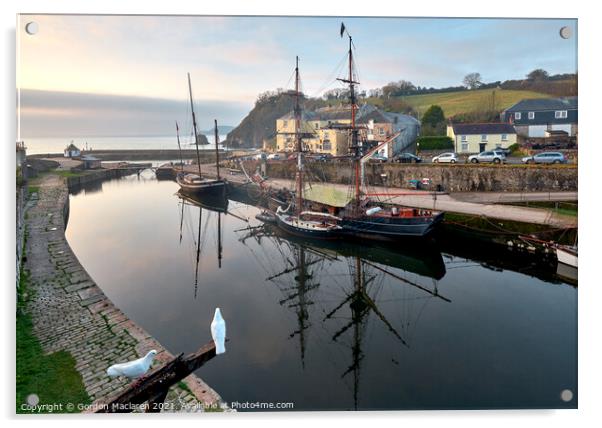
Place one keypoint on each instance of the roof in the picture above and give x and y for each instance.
(483, 128)
(71, 147)
(544, 104)
(327, 195)
(364, 114)
(405, 119)
(375, 115)
(333, 113)
(305, 115)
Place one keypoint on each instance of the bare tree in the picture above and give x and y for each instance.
(472, 80)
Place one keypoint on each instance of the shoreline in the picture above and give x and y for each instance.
(70, 311)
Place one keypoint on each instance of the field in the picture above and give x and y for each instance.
(453, 103)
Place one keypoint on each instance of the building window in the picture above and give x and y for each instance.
(464, 147)
(464, 138)
(381, 131)
(484, 137)
(317, 125)
(560, 114)
(531, 115)
(504, 137)
(285, 123)
(517, 115)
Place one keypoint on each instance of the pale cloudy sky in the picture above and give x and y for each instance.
(126, 75)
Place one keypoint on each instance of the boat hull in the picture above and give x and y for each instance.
(214, 188)
(386, 228)
(289, 227)
(567, 256)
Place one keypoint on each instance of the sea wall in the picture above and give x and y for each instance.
(449, 178)
(139, 155)
(21, 203)
(95, 176)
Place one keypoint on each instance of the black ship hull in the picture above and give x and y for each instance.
(387, 228)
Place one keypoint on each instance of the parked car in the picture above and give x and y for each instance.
(445, 158)
(407, 158)
(322, 157)
(504, 150)
(545, 157)
(489, 156)
(378, 159)
(274, 156)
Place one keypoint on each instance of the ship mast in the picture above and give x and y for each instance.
(216, 150)
(179, 146)
(298, 143)
(354, 132)
(196, 136)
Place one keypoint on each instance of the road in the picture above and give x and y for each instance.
(507, 197)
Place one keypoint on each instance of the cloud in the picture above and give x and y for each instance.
(140, 62)
(70, 114)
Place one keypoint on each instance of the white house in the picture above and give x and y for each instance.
(72, 151)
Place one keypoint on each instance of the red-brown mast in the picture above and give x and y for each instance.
(196, 135)
(299, 148)
(352, 100)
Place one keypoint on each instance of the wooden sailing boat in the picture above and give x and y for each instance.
(366, 218)
(294, 219)
(195, 183)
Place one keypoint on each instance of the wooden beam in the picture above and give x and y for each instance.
(156, 384)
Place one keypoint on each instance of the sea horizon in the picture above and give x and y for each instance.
(51, 145)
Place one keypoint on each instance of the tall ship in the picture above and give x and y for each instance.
(366, 217)
(294, 219)
(195, 183)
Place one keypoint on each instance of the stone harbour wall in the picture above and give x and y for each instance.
(450, 178)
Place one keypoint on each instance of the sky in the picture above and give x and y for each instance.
(87, 75)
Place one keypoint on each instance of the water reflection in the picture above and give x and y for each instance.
(302, 265)
(328, 325)
(216, 205)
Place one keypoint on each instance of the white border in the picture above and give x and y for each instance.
(589, 159)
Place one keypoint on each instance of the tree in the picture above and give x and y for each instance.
(433, 121)
(538, 74)
(335, 94)
(395, 89)
(472, 80)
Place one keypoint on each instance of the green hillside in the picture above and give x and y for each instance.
(453, 103)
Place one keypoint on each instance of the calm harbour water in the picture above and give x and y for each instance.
(320, 326)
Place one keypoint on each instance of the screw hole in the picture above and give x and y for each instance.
(31, 28)
(566, 395)
(565, 32)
